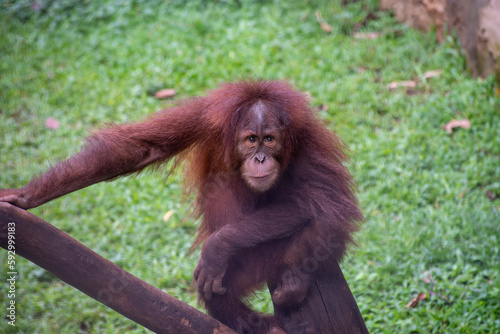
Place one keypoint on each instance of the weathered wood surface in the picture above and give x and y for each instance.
(77, 265)
(329, 308)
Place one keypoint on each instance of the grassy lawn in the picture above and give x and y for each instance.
(431, 199)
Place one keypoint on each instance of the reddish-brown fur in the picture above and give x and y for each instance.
(281, 237)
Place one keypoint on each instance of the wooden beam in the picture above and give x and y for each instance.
(99, 278)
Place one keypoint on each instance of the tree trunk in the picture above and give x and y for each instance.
(476, 22)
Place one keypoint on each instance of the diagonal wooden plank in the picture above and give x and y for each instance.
(99, 278)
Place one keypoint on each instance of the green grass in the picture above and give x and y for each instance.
(423, 191)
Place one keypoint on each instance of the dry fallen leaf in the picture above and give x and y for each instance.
(454, 123)
(427, 278)
(490, 195)
(366, 35)
(51, 123)
(414, 302)
(165, 93)
(431, 74)
(412, 92)
(324, 26)
(167, 215)
(408, 84)
(462, 194)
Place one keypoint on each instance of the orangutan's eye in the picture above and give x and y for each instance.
(269, 139)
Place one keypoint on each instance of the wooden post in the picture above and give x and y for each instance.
(329, 308)
(77, 265)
